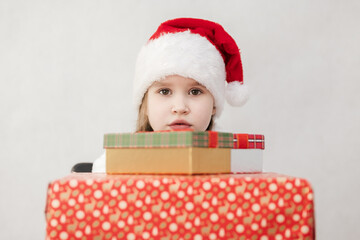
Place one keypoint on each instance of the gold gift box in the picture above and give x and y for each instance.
(190, 160)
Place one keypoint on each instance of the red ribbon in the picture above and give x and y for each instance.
(242, 140)
(213, 139)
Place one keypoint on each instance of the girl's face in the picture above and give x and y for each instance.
(177, 102)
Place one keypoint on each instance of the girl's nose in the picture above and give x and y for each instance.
(180, 106)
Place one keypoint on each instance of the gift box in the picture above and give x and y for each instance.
(175, 152)
(167, 139)
(249, 141)
(222, 206)
(247, 153)
(168, 160)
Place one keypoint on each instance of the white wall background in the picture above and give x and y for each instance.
(66, 70)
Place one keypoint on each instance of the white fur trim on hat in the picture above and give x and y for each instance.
(236, 93)
(185, 54)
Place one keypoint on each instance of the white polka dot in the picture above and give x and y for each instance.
(53, 222)
(230, 216)
(55, 203)
(254, 226)
(56, 187)
(140, 184)
(188, 225)
(181, 194)
(297, 198)
(78, 234)
(272, 206)
(173, 227)
(96, 213)
(80, 214)
(239, 228)
(221, 232)
(296, 217)
(281, 202)
(63, 218)
(156, 183)
(189, 206)
(247, 195)
(81, 198)
(106, 226)
(147, 216)
(122, 205)
(64, 235)
(163, 214)
(231, 181)
(155, 231)
(222, 184)
(248, 179)
(165, 180)
(87, 230)
(297, 182)
(278, 237)
(287, 233)
(310, 196)
(288, 186)
(172, 210)
(71, 202)
(131, 236)
(305, 229)
(189, 190)
(231, 197)
(197, 221)
(255, 207)
(106, 209)
(121, 224)
(280, 218)
(239, 212)
(212, 236)
(263, 222)
(256, 192)
(123, 189)
(114, 193)
(130, 220)
(206, 186)
(214, 201)
(73, 183)
(147, 199)
(138, 203)
(205, 205)
(214, 217)
(272, 187)
(197, 237)
(146, 235)
(89, 182)
(164, 195)
(98, 194)
(264, 238)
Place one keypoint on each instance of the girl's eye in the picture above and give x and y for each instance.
(165, 91)
(195, 92)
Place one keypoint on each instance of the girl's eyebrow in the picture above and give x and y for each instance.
(161, 83)
(165, 83)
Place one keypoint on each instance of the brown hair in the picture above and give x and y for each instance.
(143, 124)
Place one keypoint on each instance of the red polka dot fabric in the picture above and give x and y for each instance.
(232, 206)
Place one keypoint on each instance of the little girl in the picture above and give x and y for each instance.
(183, 75)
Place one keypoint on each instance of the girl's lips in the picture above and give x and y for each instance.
(179, 124)
(178, 127)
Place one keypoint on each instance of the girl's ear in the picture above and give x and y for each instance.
(214, 111)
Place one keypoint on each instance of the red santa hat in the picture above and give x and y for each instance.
(197, 49)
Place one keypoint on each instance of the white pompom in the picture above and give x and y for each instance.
(236, 93)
